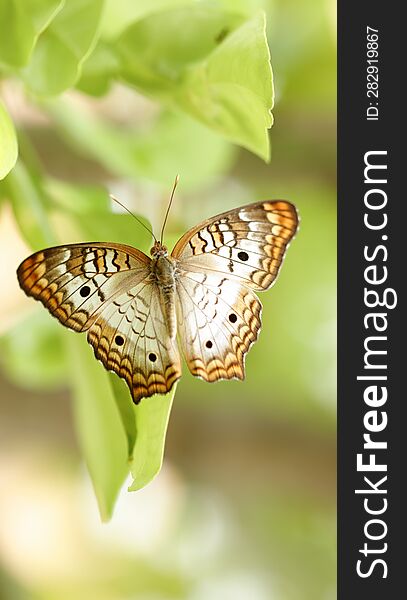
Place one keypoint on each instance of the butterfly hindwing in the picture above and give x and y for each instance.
(218, 321)
(130, 336)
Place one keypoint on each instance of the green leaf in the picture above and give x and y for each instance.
(99, 424)
(126, 410)
(23, 21)
(78, 199)
(8, 143)
(28, 202)
(213, 64)
(33, 353)
(120, 228)
(173, 143)
(98, 70)
(156, 51)
(85, 213)
(119, 14)
(152, 415)
(61, 49)
(232, 92)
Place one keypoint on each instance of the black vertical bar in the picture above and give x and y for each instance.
(356, 136)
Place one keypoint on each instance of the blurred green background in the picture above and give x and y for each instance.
(245, 504)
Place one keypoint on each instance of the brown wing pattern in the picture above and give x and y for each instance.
(247, 244)
(106, 289)
(130, 336)
(111, 291)
(74, 281)
(220, 261)
(218, 321)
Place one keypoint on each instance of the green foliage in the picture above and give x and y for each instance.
(204, 71)
(28, 202)
(156, 88)
(126, 410)
(210, 62)
(98, 423)
(213, 64)
(119, 13)
(8, 145)
(220, 91)
(33, 353)
(22, 23)
(99, 70)
(63, 46)
(172, 142)
(151, 425)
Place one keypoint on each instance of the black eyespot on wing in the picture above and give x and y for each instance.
(84, 291)
(209, 344)
(232, 318)
(152, 357)
(243, 256)
(119, 340)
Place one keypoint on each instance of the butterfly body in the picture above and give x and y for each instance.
(139, 312)
(164, 273)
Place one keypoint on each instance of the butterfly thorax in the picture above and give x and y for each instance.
(163, 273)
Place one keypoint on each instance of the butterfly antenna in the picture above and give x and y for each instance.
(168, 208)
(133, 215)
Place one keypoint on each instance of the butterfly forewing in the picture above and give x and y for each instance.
(74, 281)
(220, 262)
(247, 244)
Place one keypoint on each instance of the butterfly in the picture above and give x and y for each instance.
(139, 311)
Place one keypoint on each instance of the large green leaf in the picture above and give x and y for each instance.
(8, 143)
(126, 409)
(152, 415)
(156, 51)
(99, 424)
(213, 64)
(232, 91)
(22, 21)
(57, 58)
